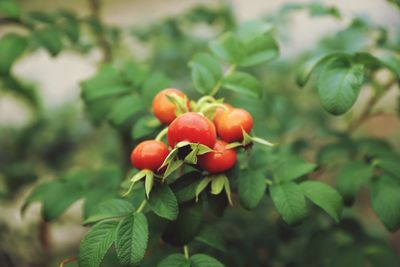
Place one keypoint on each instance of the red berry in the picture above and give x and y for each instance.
(220, 160)
(231, 122)
(163, 108)
(149, 155)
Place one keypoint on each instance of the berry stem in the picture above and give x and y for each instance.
(186, 251)
(141, 207)
(161, 134)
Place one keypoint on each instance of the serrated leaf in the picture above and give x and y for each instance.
(289, 167)
(385, 199)
(93, 198)
(324, 196)
(96, 243)
(11, 47)
(352, 177)
(242, 83)
(163, 202)
(175, 260)
(251, 188)
(339, 84)
(186, 226)
(131, 239)
(111, 208)
(203, 260)
(125, 108)
(289, 201)
(228, 48)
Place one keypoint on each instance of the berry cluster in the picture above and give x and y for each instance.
(203, 134)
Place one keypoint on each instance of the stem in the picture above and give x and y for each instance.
(268, 181)
(204, 99)
(161, 134)
(105, 46)
(141, 207)
(215, 89)
(186, 251)
(211, 106)
(72, 259)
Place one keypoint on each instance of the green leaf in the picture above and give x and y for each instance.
(111, 208)
(125, 108)
(106, 83)
(175, 260)
(148, 183)
(324, 196)
(289, 200)
(259, 50)
(228, 48)
(10, 8)
(50, 38)
(217, 184)
(202, 185)
(186, 226)
(185, 186)
(390, 60)
(58, 198)
(93, 198)
(163, 202)
(11, 47)
(243, 83)
(153, 84)
(38, 194)
(70, 25)
(145, 126)
(289, 167)
(339, 85)
(352, 177)
(304, 72)
(131, 239)
(251, 188)
(203, 260)
(135, 74)
(390, 163)
(212, 237)
(385, 200)
(206, 72)
(250, 30)
(96, 243)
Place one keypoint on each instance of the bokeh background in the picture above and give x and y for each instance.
(39, 145)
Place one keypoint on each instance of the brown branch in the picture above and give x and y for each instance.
(72, 259)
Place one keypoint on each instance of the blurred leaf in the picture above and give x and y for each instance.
(251, 30)
(243, 83)
(251, 188)
(37, 195)
(185, 186)
(385, 200)
(289, 201)
(339, 84)
(131, 239)
(125, 108)
(135, 74)
(206, 72)
(145, 126)
(390, 163)
(212, 237)
(111, 208)
(259, 50)
(50, 38)
(93, 198)
(155, 83)
(349, 256)
(57, 199)
(186, 226)
(203, 260)
(95, 244)
(10, 9)
(107, 82)
(175, 260)
(43, 17)
(228, 48)
(352, 177)
(324, 196)
(288, 167)
(11, 47)
(163, 202)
